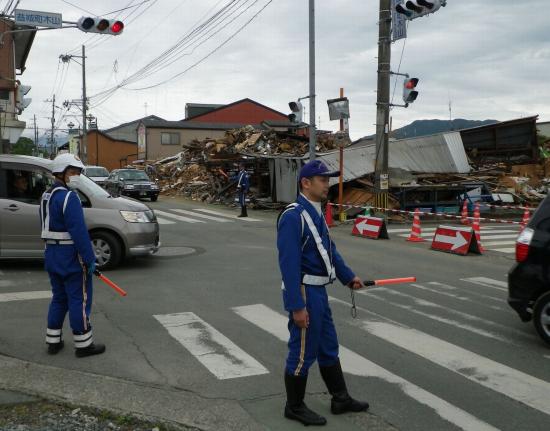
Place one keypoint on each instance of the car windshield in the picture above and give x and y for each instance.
(97, 172)
(89, 188)
(133, 175)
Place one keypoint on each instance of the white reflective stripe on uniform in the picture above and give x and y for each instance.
(53, 340)
(240, 179)
(84, 340)
(53, 332)
(322, 251)
(316, 280)
(65, 202)
(45, 216)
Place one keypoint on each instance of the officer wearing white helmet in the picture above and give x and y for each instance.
(70, 259)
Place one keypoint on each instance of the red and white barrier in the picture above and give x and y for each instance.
(370, 227)
(456, 240)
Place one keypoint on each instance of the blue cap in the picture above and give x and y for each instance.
(316, 168)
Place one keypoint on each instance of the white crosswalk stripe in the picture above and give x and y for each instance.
(204, 216)
(495, 238)
(510, 382)
(226, 214)
(487, 282)
(178, 217)
(214, 350)
(170, 216)
(352, 363)
(25, 296)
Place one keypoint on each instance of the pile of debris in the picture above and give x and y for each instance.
(206, 169)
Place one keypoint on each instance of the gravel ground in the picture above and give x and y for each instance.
(46, 416)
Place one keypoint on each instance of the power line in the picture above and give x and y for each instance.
(225, 42)
(78, 7)
(168, 54)
(125, 8)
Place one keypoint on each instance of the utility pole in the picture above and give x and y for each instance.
(52, 139)
(383, 104)
(84, 140)
(312, 130)
(35, 138)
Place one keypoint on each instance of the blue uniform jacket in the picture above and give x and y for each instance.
(72, 221)
(244, 181)
(298, 253)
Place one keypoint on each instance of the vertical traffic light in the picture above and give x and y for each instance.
(409, 90)
(413, 9)
(22, 102)
(100, 25)
(297, 115)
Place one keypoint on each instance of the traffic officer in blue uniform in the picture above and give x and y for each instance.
(243, 186)
(309, 261)
(70, 259)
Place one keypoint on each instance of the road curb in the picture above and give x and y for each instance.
(122, 396)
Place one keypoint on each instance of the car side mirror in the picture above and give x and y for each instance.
(121, 179)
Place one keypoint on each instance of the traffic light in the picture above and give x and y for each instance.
(413, 9)
(297, 115)
(89, 24)
(409, 90)
(22, 102)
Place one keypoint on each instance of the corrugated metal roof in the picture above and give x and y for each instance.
(442, 153)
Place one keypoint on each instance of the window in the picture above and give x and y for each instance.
(24, 184)
(4, 95)
(170, 138)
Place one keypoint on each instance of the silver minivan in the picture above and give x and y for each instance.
(119, 227)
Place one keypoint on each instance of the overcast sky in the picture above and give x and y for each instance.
(490, 58)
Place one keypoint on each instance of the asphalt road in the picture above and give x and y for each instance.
(205, 316)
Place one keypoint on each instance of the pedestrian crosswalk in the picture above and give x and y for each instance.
(474, 306)
(198, 216)
(499, 238)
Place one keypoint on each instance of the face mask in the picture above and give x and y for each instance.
(74, 182)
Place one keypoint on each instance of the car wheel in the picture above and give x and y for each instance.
(154, 198)
(541, 316)
(107, 250)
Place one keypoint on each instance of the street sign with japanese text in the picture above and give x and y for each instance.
(38, 19)
(399, 23)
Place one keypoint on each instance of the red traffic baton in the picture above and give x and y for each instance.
(110, 283)
(387, 281)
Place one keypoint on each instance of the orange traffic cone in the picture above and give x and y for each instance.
(416, 231)
(464, 217)
(328, 215)
(526, 217)
(476, 227)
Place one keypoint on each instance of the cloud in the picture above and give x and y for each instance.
(489, 58)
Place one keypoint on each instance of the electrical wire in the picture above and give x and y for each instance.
(78, 7)
(169, 55)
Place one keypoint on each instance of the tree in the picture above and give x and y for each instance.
(24, 146)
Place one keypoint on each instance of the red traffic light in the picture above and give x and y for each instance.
(410, 84)
(117, 27)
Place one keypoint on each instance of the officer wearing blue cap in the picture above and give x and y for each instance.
(70, 259)
(243, 186)
(309, 261)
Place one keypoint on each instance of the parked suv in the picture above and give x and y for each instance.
(118, 227)
(131, 182)
(529, 278)
(98, 174)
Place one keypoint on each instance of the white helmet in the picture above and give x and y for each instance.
(64, 161)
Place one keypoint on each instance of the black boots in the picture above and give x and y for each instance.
(244, 212)
(295, 408)
(92, 349)
(341, 400)
(55, 348)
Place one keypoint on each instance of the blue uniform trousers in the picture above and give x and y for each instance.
(71, 288)
(317, 342)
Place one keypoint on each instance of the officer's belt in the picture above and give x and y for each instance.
(316, 280)
(59, 241)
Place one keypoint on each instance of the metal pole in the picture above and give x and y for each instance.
(383, 104)
(342, 214)
(35, 150)
(84, 140)
(53, 129)
(312, 130)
